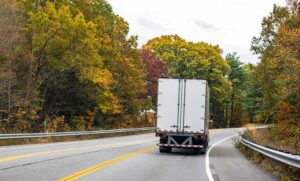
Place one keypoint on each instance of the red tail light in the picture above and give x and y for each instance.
(203, 137)
(160, 135)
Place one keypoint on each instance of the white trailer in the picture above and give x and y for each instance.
(183, 114)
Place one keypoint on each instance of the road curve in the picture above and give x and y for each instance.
(126, 158)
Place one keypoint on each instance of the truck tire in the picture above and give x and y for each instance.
(203, 150)
(163, 140)
(197, 150)
(169, 150)
(163, 149)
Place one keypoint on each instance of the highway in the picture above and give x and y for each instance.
(133, 158)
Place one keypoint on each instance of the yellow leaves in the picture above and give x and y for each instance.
(98, 76)
(279, 70)
(106, 40)
(198, 60)
(81, 49)
(55, 124)
(110, 104)
(51, 12)
(66, 41)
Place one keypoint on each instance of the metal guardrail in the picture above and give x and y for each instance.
(287, 158)
(74, 133)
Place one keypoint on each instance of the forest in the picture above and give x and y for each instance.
(71, 65)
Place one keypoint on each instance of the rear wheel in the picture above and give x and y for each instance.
(203, 150)
(163, 149)
(163, 140)
(197, 150)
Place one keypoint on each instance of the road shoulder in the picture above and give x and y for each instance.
(227, 163)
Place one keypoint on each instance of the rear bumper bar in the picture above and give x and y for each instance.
(181, 146)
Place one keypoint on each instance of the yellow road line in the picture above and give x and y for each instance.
(24, 156)
(104, 164)
(72, 149)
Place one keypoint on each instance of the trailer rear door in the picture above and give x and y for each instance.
(182, 105)
(167, 104)
(194, 117)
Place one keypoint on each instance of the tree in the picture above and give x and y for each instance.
(64, 42)
(155, 69)
(79, 49)
(278, 50)
(238, 78)
(10, 32)
(253, 94)
(195, 60)
(267, 69)
(279, 70)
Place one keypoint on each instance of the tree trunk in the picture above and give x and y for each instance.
(226, 114)
(232, 111)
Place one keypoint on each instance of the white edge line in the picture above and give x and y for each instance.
(208, 171)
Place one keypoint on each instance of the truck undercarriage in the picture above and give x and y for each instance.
(197, 142)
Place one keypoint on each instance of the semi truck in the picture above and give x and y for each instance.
(182, 114)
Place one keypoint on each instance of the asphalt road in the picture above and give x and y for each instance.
(132, 158)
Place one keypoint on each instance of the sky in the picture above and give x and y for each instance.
(231, 24)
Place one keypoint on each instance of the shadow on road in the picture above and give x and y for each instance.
(179, 152)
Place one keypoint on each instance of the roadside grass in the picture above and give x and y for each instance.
(254, 125)
(24, 141)
(263, 137)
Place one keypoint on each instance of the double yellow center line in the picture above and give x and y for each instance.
(11, 158)
(93, 168)
(104, 164)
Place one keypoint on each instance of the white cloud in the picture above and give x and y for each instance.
(148, 24)
(229, 23)
(204, 25)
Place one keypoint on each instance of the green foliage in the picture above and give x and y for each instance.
(270, 25)
(253, 94)
(77, 59)
(195, 60)
(65, 42)
(279, 58)
(278, 73)
(269, 68)
(72, 63)
(236, 100)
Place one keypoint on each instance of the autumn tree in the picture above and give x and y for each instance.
(156, 68)
(264, 47)
(195, 60)
(76, 64)
(279, 69)
(236, 109)
(10, 37)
